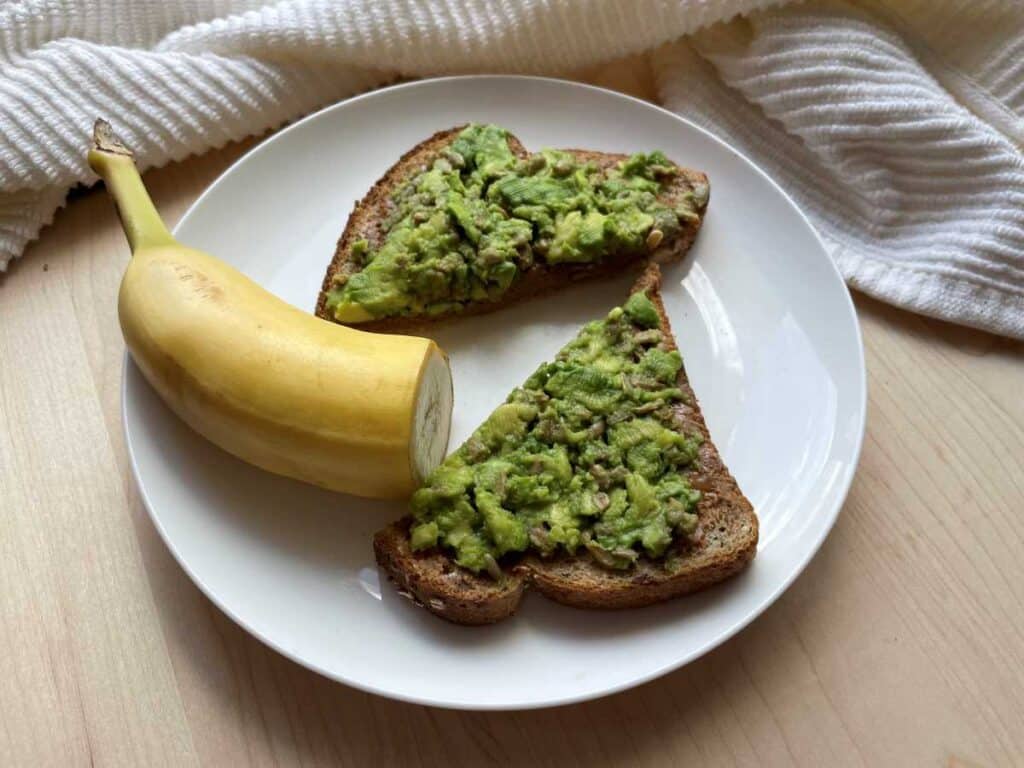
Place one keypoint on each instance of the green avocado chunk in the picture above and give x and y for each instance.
(586, 453)
(464, 229)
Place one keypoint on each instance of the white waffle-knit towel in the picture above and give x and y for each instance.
(898, 127)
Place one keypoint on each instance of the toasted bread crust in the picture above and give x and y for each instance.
(366, 218)
(435, 582)
(726, 517)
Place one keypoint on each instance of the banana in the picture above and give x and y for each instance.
(357, 412)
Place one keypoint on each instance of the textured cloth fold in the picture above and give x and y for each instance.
(897, 127)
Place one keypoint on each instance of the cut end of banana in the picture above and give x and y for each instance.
(432, 420)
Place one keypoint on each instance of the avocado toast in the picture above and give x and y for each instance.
(596, 483)
(469, 221)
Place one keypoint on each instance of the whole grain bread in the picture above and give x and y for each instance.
(366, 222)
(728, 543)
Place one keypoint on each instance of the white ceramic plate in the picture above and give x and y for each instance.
(769, 337)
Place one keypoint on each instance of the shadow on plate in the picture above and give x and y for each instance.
(298, 521)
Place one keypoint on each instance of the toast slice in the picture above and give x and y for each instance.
(724, 544)
(368, 221)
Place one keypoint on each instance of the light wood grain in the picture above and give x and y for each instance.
(902, 643)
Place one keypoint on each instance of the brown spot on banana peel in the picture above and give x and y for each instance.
(200, 283)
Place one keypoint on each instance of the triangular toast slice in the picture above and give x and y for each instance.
(384, 210)
(721, 543)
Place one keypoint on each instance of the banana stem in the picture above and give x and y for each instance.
(114, 163)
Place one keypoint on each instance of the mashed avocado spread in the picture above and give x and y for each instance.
(585, 454)
(464, 229)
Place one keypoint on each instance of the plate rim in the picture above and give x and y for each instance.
(562, 700)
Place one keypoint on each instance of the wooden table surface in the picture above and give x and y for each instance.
(901, 644)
